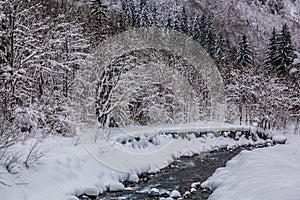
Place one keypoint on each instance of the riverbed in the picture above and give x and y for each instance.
(178, 176)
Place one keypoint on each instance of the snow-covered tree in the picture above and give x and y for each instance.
(44, 49)
(184, 23)
(144, 12)
(285, 53)
(271, 51)
(244, 53)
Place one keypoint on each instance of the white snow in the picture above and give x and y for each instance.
(268, 173)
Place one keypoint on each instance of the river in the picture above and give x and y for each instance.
(178, 176)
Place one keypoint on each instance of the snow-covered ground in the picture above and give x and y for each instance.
(268, 173)
(93, 162)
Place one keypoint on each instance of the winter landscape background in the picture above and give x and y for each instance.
(81, 116)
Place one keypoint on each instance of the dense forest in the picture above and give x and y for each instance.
(46, 44)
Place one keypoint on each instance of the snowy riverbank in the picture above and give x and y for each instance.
(268, 173)
(69, 167)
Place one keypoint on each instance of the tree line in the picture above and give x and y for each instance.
(43, 45)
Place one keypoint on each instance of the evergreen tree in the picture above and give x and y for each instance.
(176, 23)
(209, 42)
(197, 28)
(98, 8)
(222, 47)
(144, 13)
(155, 16)
(244, 54)
(202, 28)
(285, 51)
(127, 11)
(169, 23)
(184, 25)
(135, 15)
(271, 51)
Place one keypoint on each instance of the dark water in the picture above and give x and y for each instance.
(179, 175)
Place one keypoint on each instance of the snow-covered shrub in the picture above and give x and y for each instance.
(26, 119)
(58, 120)
(8, 137)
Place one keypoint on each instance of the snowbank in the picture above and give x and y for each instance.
(269, 173)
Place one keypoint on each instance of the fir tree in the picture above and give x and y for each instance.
(169, 23)
(271, 51)
(244, 54)
(176, 23)
(184, 26)
(285, 52)
(126, 10)
(155, 16)
(135, 16)
(197, 28)
(98, 8)
(145, 20)
(222, 47)
(209, 40)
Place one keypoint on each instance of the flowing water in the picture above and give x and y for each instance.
(178, 176)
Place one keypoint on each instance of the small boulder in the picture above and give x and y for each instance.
(175, 194)
(154, 192)
(196, 185)
(91, 191)
(193, 190)
(116, 187)
(187, 195)
(279, 139)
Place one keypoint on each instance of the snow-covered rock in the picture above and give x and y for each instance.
(133, 178)
(92, 191)
(175, 194)
(269, 142)
(193, 190)
(154, 192)
(279, 139)
(187, 194)
(195, 185)
(116, 187)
